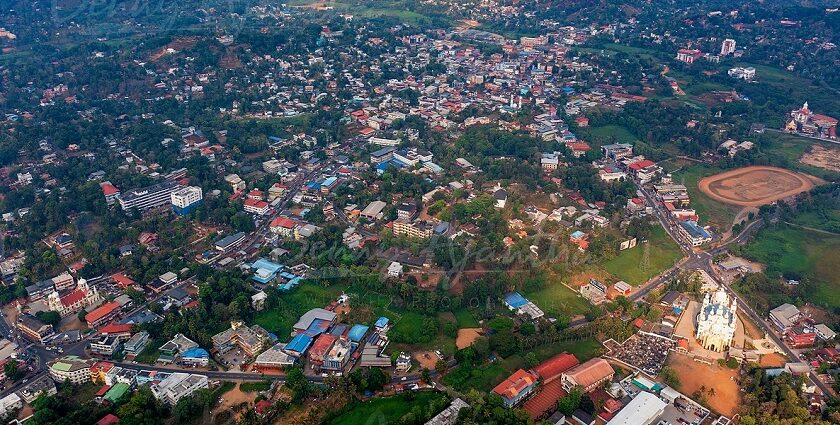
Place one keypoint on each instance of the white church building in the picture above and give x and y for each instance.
(716, 321)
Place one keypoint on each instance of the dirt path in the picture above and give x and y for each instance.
(756, 186)
(232, 399)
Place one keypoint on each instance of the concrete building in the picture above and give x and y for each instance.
(35, 387)
(186, 199)
(137, 343)
(72, 302)
(33, 328)
(644, 409)
(148, 197)
(177, 386)
(373, 211)
(785, 317)
(70, 368)
(417, 230)
(249, 339)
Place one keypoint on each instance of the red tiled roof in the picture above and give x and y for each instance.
(578, 146)
(590, 372)
(102, 392)
(73, 297)
(283, 222)
(639, 165)
(515, 384)
(108, 189)
(102, 311)
(109, 419)
(114, 328)
(321, 346)
(552, 368)
(545, 400)
(122, 280)
(256, 204)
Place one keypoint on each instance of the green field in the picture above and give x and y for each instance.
(465, 318)
(383, 410)
(719, 216)
(555, 299)
(607, 134)
(293, 304)
(663, 252)
(800, 253)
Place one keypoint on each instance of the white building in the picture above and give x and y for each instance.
(185, 199)
(10, 403)
(73, 301)
(644, 409)
(178, 386)
(716, 321)
(395, 269)
(744, 73)
(727, 47)
(70, 368)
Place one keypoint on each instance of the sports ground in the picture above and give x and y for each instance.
(755, 186)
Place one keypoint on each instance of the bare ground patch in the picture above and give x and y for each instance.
(822, 157)
(695, 376)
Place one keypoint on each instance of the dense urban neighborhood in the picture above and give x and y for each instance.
(420, 212)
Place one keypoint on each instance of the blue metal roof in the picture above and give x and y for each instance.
(381, 322)
(694, 230)
(300, 343)
(262, 263)
(515, 300)
(196, 353)
(357, 332)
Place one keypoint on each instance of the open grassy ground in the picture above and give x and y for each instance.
(293, 304)
(663, 253)
(398, 9)
(788, 250)
(711, 212)
(383, 410)
(465, 318)
(557, 300)
(607, 134)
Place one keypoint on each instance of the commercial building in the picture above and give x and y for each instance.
(274, 358)
(314, 320)
(249, 339)
(172, 349)
(195, 357)
(254, 206)
(106, 346)
(230, 243)
(373, 211)
(694, 233)
(177, 386)
(33, 328)
(70, 368)
(588, 375)
(149, 197)
(644, 409)
(417, 230)
(137, 343)
(785, 317)
(186, 199)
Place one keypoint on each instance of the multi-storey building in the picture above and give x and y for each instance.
(184, 200)
(149, 197)
(70, 368)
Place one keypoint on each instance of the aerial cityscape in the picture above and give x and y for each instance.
(419, 212)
